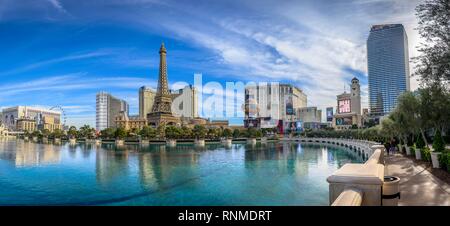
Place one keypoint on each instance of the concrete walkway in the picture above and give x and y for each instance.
(418, 187)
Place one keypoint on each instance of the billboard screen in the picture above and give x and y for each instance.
(344, 121)
(344, 106)
(268, 123)
(295, 126)
(329, 114)
(289, 105)
(251, 123)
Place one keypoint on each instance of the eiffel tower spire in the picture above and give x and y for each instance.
(163, 101)
(163, 87)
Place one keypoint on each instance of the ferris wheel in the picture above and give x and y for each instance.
(63, 113)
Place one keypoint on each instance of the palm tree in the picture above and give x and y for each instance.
(86, 132)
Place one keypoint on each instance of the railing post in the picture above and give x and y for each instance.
(366, 177)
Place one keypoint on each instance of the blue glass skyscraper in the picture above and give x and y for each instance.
(388, 67)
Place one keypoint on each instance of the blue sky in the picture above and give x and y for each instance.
(61, 52)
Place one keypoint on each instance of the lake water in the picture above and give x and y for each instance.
(82, 174)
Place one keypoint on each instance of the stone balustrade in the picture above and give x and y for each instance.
(349, 197)
(368, 178)
(360, 147)
(354, 184)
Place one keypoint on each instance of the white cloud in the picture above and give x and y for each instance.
(57, 4)
(312, 44)
(77, 56)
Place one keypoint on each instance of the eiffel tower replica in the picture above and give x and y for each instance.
(162, 107)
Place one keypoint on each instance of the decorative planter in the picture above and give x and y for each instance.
(44, 140)
(400, 148)
(57, 141)
(227, 141)
(144, 142)
(120, 142)
(35, 139)
(98, 141)
(435, 159)
(251, 141)
(263, 139)
(200, 142)
(171, 143)
(72, 141)
(408, 151)
(25, 138)
(418, 154)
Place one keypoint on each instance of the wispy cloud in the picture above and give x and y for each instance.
(77, 56)
(76, 81)
(310, 43)
(57, 5)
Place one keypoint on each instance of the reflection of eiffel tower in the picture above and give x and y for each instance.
(162, 107)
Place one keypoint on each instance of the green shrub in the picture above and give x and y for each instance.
(426, 154)
(444, 160)
(413, 150)
(420, 143)
(448, 160)
(438, 143)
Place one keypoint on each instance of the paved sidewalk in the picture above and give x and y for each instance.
(418, 187)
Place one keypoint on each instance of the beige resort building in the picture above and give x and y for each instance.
(24, 118)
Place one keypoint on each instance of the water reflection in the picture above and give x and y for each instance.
(260, 174)
(110, 165)
(28, 154)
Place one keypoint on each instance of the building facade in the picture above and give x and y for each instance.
(3, 131)
(107, 108)
(388, 67)
(146, 99)
(273, 103)
(348, 110)
(309, 114)
(122, 120)
(24, 118)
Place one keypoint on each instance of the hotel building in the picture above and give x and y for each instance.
(107, 108)
(267, 104)
(348, 110)
(388, 67)
(146, 100)
(122, 120)
(24, 118)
